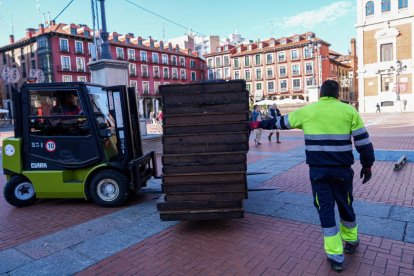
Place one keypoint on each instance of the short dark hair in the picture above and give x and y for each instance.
(330, 88)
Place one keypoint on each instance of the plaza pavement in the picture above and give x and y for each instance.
(278, 236)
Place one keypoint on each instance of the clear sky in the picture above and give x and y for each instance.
(333, 21)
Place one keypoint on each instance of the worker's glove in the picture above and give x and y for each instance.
(366, 174)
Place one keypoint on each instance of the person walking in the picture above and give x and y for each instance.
(328, 126)
(257, 117)
(273, 113)
(378, 108)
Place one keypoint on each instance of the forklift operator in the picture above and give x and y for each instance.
(67, 105)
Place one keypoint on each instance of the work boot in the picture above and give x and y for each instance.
(335, 265)
(350, 247)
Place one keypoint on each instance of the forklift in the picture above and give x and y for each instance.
(75, 140)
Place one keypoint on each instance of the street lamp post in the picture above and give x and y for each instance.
(398, 69)
(315, 46)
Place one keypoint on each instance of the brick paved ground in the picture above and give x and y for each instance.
(386, 185)
(255, 245)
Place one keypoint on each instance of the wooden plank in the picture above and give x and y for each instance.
(206, 168)
(191, 215)
(190, 99)
(201, 88)
(206, 108)
(199, 205)
(202, 138)
(204, 159)
(217, 196)
(206, 128)
(200, 188)
(220, 117)
(200, 178)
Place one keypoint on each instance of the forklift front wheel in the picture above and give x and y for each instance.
(19, 192)
(109, 188)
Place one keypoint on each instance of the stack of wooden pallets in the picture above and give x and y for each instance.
(205, 143)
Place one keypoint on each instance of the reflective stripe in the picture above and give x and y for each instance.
(362, 142)
(349, 200)
(349, 231)
(317, 201)
(359, 131)
(328, 136)
(329, 148)
(333, 243)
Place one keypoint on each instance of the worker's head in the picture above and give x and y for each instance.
(330, 88)
(67, 98)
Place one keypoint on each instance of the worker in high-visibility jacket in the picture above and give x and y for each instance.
(328, 126)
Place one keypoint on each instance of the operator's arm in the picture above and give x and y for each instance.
(362, 142)
(292, 120)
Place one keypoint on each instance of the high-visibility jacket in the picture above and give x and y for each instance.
(328, 126)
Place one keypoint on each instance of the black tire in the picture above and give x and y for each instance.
(109, 188)
(19, 191)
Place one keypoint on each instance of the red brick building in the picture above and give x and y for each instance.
(276, 68)
(62, 52)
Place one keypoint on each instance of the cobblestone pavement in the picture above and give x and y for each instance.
(279, 235)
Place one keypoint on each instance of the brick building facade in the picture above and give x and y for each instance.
(62, 52)
(385, 31)
(277, 68)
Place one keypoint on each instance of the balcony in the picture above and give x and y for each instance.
(166, 77)
(165, 62)
(144, 60)
(309, 72)
(175, 77)
(145, 75)
(131, 58)
(155, 61)
(174, 63)
(182, 64)
(145, 92)
(132, 74)
(156, 76)
(120, 57)
(79, 51)
(65, 68)
(183, 78)
(81, 70)
(64, 49)
(281, 60)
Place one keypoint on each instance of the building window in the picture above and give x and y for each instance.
(247, 75)
(269, 72)
(369, 8)
(282, 71)
(385, 5)
(134, 83)
(145, 87)
(132, 70)
(155, 58)
(156, 87)
(80, 64)
(386, 52)
(226, 61)
(144, 71)
(210, 63)
(283, 86)
(259, 86)
(269, 58)
(307, 52)
(309, 68)
(64, 45)
(309, 81)
(184, 75)
(86, 33)
(66, 78)
(210, 74)
(143, 56)
(174, 60)
(82, 79)
(257, 58)
(236, 75)
(258, 74)
(115, 39)
(295, 70)
(131, 54)
(193, 76)
(65, 63)
(90, 47)
(246, 61)
(248, 87)
(165, 59)
(386, 80)
(402, 4)
(192, 64)
(119, 53)
(73, 31)
(227, 72)
(156, 71)
(24, 74)
(270, 86)
(218, 61)
(33, 64)
(281, 57)
(236, 63)
(79, 47)
(174, 73)
(166, 73)
(294, 54)
(296, 84)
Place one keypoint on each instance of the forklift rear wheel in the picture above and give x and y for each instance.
(109, 188)
(19, 192)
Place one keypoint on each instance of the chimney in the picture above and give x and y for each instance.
(353, 47)
(11, 39)
(41, 28)
(52, 23)
(30, 32)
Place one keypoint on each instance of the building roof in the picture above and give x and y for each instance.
(65, 29)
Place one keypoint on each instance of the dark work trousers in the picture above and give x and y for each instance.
(332, 185)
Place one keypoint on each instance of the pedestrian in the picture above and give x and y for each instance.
(160, 116)
(257, 117)
(328, 126)
(378, 108)
(273, 113)
(153, 117)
